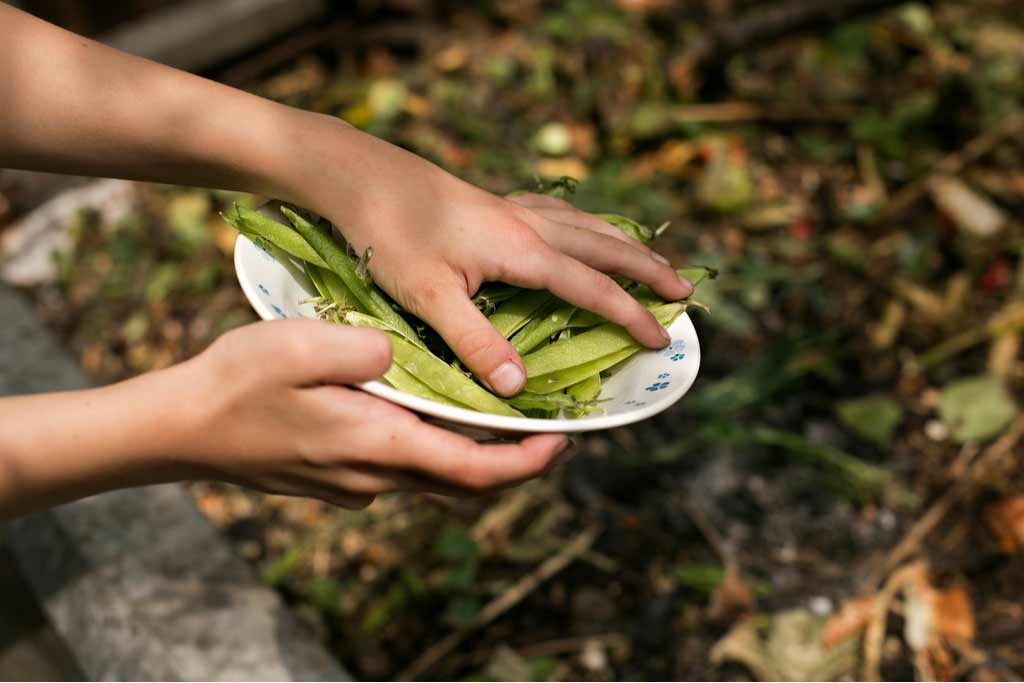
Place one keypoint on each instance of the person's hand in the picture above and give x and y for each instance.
(272, 412)
(436, 239)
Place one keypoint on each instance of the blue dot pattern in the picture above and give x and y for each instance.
(657, 386)
(263, 289)
(277, 309)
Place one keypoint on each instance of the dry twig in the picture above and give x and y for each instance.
(504, 602)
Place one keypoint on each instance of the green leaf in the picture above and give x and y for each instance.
(976, 408)
(873, 418)
(456, 545)
(275, 573)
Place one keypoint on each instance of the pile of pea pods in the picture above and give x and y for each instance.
(566, 351)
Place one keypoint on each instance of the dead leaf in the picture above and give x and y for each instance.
(971, 212)
(953, 614)
(1002, 355)
(508, 665)
(849, 621)
(786, 646)
(452, 57)
(674, 156)
(556, 168)
(731, 599)
(1005, 518)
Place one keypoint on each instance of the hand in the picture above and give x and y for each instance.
(436, 239)
(273, 413)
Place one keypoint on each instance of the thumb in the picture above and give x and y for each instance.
(479, 346)
(315, 352)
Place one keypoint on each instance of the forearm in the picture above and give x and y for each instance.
(63, 446)
(71, 105)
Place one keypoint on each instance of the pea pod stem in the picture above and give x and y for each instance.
(321, 240)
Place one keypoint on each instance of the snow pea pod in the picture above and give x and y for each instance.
(527, 400)
(590, 345)
(560, 379)
(516, 312)
(250, 222)
(434, 372)
(321, 240)
(406, 382)
(338, 292)
(586, 391)
(632, 228)
(314, 274)
(539, 329)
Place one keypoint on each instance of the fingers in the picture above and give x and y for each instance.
(607, 255)
(582, 219)
(459, 461)
(474, 340)
(579, 284)
(313, 352)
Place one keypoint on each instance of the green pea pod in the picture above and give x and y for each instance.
(560, 379)
(253, 222)
(338, 292)
(434, 372)
(540, 329)
(512, 315)
(586, 391)
(287, 261)
(406, 382)
(528, 400)
(629, 226)
(492, 294)
(321, 240)
(590, 345)
(697, 274)
(314, 274)
(585, 395)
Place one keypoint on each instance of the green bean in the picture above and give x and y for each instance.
(574, 374)
(434, 372)
(253, 222)
(539, 329)
(591, 345)
(517, 311)
(321, 240)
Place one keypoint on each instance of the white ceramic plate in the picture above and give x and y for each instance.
(642, 386)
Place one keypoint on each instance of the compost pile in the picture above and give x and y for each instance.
(838, 496)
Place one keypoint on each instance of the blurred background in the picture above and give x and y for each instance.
(840, 495)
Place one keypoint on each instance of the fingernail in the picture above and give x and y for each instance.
(507, 379)
(660, 259)
(687, 286)
(665, 336)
